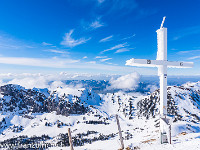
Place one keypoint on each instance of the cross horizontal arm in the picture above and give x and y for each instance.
(156, 63)
(178, 64)
(143, 62)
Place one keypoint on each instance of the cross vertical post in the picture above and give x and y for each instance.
(162, 73)
(162, 70)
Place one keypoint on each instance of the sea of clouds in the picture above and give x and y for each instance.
(52, 81)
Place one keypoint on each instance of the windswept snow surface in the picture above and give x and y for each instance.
(95, 127)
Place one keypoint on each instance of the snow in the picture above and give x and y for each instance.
(145, 135)
(90, 97)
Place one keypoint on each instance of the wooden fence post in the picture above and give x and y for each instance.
(70, 139)
(120, 132)
(170, 134)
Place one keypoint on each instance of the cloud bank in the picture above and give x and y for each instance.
(126, 82)
(29, 80)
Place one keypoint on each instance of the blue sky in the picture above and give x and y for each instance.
(95, 36)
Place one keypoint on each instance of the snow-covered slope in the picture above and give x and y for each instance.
(183, 106)
(30, 116)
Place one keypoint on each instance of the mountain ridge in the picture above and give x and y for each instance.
(33, 113)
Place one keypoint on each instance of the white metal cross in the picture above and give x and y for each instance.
(162, 63)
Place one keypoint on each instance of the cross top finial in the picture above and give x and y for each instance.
(161, 26)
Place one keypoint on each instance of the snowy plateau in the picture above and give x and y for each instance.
(43, 115)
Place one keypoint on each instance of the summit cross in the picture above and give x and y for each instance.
(161, 63)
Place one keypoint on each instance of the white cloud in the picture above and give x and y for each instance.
(7, 42)
(126, 82)
(128, 37)
(85, 57)
(102, 60)
(189, 51)
(115, 47)
(40, 62)
(91, 62)
(187, 32)
(56, 76)
(118, 7)
(100, 1)
(9, 46)
(52, 82)
(31, 82)
(46, 44)
(174, 49)
(99, 57)
(176, 38)
(56, 51)
(96, 24)
(122, 50)
(71, 42)
(62, 63)
(109, 63)
(28, 46)
(194, 57)
(152, 87)
(106, 39)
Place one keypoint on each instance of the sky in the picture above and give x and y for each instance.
(95, 36)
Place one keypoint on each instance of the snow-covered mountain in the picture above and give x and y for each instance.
(30, 116)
